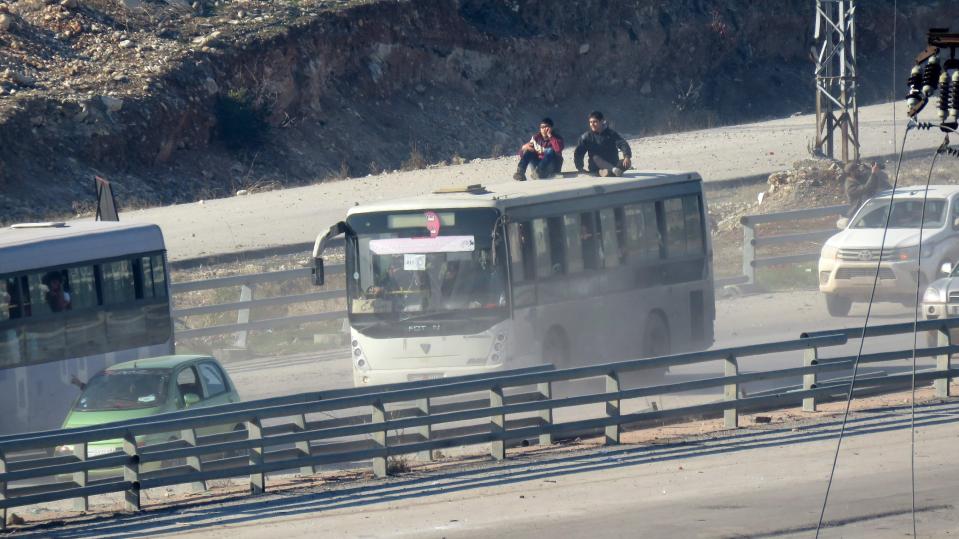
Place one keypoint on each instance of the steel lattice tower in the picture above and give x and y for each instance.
(836, 77)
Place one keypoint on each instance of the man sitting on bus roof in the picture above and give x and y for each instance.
(602, 145)
(544, 151)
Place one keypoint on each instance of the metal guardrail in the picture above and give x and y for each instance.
(417, 417)
(751, 242)
(246, 301)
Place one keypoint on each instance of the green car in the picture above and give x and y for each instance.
(147, 387)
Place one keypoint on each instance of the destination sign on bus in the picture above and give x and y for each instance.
(439, 244)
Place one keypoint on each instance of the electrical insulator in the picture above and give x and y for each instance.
(943, 102)
(930, 76)
(914, 99)
(952, 120)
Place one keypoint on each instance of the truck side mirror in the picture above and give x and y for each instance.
(842, 223)
(946, 268)
(317, 273)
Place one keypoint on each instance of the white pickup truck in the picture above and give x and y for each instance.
(849, 260)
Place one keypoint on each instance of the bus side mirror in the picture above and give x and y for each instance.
(318, 276)
(946, 268)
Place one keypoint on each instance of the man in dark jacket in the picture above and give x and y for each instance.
(602, 144)
(544, 151)
(860, 188)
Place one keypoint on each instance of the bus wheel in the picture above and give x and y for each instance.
(556, 348)
(656, 337)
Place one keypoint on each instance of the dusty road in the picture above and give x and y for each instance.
(296, 215)
(740, 321)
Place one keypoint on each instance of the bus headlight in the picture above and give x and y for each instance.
(934, 295)
(359, 360)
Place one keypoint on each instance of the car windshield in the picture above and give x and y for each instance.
(906, 213)
(124, 390)
(405, 267)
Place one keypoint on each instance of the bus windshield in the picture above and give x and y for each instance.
(422, 262)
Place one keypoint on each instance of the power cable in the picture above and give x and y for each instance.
(915, 326)
(895, 17)
(862, 340)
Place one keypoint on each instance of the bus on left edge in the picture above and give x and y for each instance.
(75, 298)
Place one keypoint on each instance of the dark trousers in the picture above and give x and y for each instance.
(550, 164)
(596, 163)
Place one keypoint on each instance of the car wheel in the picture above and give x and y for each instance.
(838, 305)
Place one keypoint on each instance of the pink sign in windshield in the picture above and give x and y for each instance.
(439, 244)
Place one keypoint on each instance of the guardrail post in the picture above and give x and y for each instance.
(299, 423)
(612, 408)
(749, 251)
(254, 429)
(3, 492)
(131, 471)
(243, 316)
(497, 425)
(731, 393)
(810, 358)
(546, 391)
(426, 431)
(80, 478)
(943, 363)
(379, 439)
(194, 462)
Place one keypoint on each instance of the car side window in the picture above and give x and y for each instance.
(212, 379)
(955, 214)
(188, 382)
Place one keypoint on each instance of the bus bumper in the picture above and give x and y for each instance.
(396, 376)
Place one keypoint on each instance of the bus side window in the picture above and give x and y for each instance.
(589, 235)
(117, 282)
(675, 227)
(557, 245)
(574, 245)
(694, 225)
(642, 232)
(611, 251)
(543, 264)
(518, 262)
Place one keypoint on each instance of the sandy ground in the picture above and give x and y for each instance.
(297, 215)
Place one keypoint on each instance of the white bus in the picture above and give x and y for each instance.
(74, 299)
(569, 272)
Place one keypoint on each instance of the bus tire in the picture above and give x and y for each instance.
(838, 305)
(556, 348)
(656, 336)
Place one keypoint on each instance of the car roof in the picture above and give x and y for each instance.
(918, 191)
(159, 362)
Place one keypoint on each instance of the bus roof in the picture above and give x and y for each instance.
(507, 194)
(23, 249)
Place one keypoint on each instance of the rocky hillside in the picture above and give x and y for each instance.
(175, 101)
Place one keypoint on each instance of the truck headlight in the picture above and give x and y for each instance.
(829, 252)
(934, 295)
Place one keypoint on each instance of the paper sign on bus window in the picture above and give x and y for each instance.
(439, 244)
(414, 262)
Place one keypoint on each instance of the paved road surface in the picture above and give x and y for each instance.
(766, 482)
(297, 215)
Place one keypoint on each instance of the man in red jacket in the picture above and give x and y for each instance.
(544, 151)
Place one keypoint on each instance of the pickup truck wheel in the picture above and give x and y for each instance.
(838, 305)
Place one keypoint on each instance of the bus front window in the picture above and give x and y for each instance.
(400, 267)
